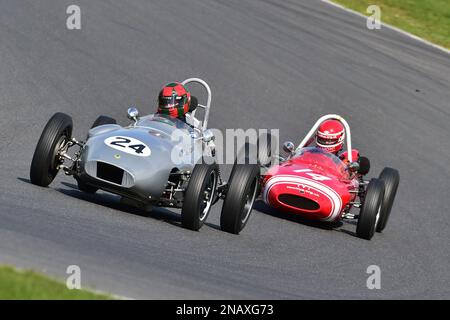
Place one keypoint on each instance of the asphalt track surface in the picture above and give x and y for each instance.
(270, 64)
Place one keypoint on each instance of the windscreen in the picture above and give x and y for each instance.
(321, 158)
(163, 122)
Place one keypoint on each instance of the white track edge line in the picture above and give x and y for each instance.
(410, 35)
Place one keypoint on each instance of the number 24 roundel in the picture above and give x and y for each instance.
(128, 145)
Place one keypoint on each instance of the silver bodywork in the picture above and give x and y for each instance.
(156, 160)
(172, 147)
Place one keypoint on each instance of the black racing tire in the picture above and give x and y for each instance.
(247, 155)
(261, 154)
(391, 179)
(102, 120)
(194, 104)
(44, 165)
(243, 188)
(371, 209)
(196, 204)
(266, 149)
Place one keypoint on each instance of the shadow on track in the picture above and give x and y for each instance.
(113, 202)
(261, 207)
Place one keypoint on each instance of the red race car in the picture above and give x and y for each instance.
(319, 185)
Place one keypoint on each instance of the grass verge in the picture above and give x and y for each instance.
(29, 285)
(428, 19)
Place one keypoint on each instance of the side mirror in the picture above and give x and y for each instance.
(208, 135)
(133, 113)
(288, 147)
(194, 104)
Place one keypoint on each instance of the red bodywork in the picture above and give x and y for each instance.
(314, 184)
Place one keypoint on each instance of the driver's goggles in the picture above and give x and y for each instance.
(173, 101)
(327, 142)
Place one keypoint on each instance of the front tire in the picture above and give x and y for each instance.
(242, 191)
(370, 213)
(199, 195)
(56, 133)
(391, 179)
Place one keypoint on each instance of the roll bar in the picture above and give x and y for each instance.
(348, 138)
(208, 101)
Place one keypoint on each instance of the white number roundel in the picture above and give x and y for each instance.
(128, 145)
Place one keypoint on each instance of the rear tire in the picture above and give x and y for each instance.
(391, 179)
(194, 104)
(265, 151)
(199, 195)
(261, 154)
(102, 120)
(44, 165)
(370, 213)
(242, 191)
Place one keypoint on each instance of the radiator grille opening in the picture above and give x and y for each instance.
(109, 173)
(298, 202)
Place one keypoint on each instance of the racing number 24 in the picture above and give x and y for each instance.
(126, 143)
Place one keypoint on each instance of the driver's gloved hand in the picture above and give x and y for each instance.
(354, 166)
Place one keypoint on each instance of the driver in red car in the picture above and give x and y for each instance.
(330, 137)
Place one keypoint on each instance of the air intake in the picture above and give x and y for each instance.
(298, 202)
(109, 173)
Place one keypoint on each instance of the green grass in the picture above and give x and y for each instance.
(29, 285)
(428, 19)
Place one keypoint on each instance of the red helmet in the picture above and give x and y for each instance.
(330, 136)
(174, 99)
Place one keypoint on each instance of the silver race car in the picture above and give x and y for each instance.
(157, 160)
